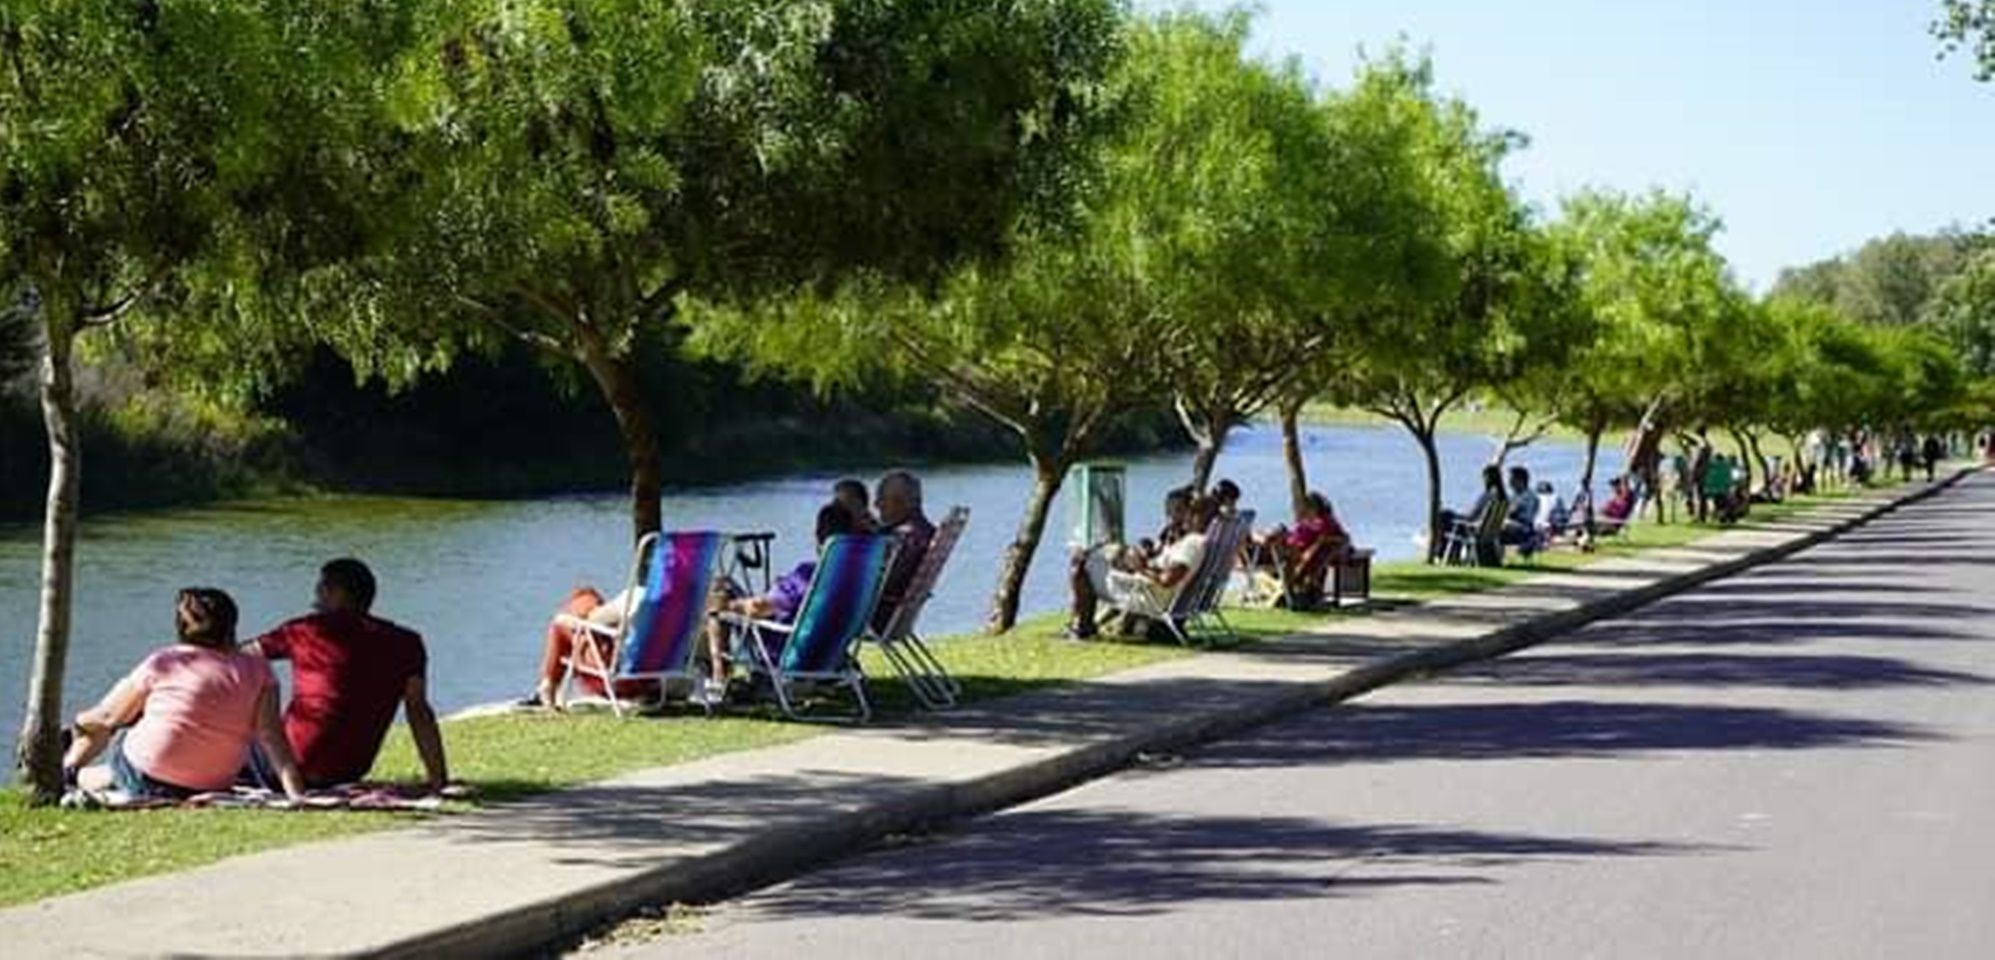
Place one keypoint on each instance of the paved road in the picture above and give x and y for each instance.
(1799, 762)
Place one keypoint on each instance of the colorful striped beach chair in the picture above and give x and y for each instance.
(657, 640)
(819, 648)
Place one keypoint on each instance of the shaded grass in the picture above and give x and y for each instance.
(48, 852)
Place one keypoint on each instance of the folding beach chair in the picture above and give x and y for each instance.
(900, 644)
(657, 640)
(819, 646)
(1191, 613)
(1477, 541)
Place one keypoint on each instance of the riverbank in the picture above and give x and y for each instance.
(515, 757)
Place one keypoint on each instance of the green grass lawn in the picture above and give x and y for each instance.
(46, 852)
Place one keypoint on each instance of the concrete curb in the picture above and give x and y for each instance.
(784, 852)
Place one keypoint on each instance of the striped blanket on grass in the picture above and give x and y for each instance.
(356, 796)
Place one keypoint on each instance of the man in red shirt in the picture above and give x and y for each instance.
(350, 670)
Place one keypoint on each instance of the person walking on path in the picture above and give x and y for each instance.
(1931, 452)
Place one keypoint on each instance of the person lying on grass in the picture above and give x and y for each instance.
(188, 714)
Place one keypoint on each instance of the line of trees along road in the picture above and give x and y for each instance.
(1054, 213)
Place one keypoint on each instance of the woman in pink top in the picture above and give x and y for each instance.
(189, 713)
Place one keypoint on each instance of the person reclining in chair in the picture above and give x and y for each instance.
(1491, 498)
(780, 604)
(1106, 573)
(1520, 527)
(563, 640)
(897, 501)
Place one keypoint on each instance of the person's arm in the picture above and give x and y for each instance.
(275, 645)
(428, 736)
(277, 746)
(120, 707)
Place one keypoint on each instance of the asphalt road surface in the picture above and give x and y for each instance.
(1797, 762)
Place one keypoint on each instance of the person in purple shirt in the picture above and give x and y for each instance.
(784, 597)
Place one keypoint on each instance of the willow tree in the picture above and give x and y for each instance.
(568, 173)
(1652, 281)
(1080, 326)
(1462, 333)
(134, 140)
(1237, 169)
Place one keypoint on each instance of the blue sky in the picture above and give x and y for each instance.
(1808, 127)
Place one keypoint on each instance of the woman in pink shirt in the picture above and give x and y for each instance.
(189, 713)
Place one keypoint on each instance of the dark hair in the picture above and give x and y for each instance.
(205, 617)
(832, 520)
(352, 578)
(1183, 495)
(1226, 491)
(1492, 476)
(1321, 504)
(851, 487)
(1520, 474)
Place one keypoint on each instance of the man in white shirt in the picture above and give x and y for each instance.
(1156, 580)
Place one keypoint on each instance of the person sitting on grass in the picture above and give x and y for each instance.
(1109, 574)
(779, 605)
(188, 714)
(351, 672)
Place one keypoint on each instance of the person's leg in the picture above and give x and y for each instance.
(560, 644)
(1084, 597)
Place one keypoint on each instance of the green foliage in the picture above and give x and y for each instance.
(1888, 281)
(1666, 311)
(1964, 310)
(1969, 25)
(1457, 328)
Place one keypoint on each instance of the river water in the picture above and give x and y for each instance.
(479, 579)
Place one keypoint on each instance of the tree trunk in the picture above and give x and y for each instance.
(1208, 434)
(40, 749)
(1049, 472)
(1433, 456)
(1203, 457)
(1745, 457)
(618, 381)
(1593, 433)
(1298, 478)
(1765, 468)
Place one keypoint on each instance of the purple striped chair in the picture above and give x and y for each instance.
(820, 646)
(657, 640)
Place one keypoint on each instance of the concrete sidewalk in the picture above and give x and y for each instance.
(517, 877)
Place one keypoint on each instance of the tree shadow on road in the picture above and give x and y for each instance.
(1828, 672)
(1120, 863)
(1381, 733)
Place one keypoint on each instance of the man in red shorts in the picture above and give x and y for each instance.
(350, 672)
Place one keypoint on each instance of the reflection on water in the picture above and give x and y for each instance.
(479, 579)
